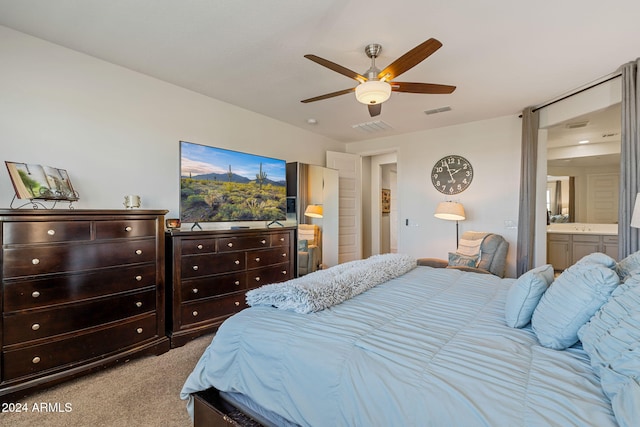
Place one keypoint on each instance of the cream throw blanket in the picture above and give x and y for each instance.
(324, 288)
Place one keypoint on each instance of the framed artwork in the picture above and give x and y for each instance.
(386, 200)
(40, 182)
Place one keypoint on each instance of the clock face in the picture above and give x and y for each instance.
(452, 174)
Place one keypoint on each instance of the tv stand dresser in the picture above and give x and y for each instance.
(209, 272)
(81, 290)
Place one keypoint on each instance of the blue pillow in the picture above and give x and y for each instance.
(303, 245)
(457, 260)
(627, 265)
(612, 341)
(570, 302)
(598, 258)
(524, 295)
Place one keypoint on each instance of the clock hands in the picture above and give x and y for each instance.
(450, 174)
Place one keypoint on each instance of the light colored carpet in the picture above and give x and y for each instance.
(142, 392)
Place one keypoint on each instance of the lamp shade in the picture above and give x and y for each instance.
(373, 92)
(635, 218)
(452, 211)
(313, 211)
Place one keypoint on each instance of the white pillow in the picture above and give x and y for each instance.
(524, 295)
(570, 302)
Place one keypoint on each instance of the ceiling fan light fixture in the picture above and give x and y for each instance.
(373, 92)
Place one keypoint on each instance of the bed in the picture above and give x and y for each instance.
(428, 346)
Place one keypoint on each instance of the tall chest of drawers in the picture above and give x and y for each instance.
(81, 290)
(209, 272)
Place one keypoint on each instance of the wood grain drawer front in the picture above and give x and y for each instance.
(226, 244)
(203, 265)
(25, 294)
(32, 325)
(26, 261)
(273, 274)
(123, 229)
(588, 238)
(266, 257)
(35, 359)
(47, 231)
(558, 237)
(206, 287)
(197, 246)
(280, 239)
(213, 308)
(610, 240)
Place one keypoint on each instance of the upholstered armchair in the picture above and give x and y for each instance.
(478, 252)
(309, 248)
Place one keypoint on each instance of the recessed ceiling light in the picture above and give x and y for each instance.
(312, 121)
(584, 141)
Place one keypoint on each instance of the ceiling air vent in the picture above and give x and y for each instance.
(375, 126)
(577, 125)
(437, 110)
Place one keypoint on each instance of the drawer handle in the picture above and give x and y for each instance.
(194, 290)
(257, 259)
(284, 254)
(138, 278)
(282, 239)
(35, 261)
(258, 279)
(195, 313)
(128, 228)
(139, 251)
(195, 268)
(199, 246)
(264, 242)
(237, 303)
(237, 262)
(35, 326)
(35, 294)
(230, 244)
(35, 360)
(237, 283)
(139, 330)
(284, 272)
(51, 232)
(138, 304)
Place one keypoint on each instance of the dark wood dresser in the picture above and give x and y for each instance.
(209, 272)
(81, 290)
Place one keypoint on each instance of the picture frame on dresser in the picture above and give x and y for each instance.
(31, 181)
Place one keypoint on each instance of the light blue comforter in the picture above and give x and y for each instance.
(429, 348)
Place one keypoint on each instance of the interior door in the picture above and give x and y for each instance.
(349, 167)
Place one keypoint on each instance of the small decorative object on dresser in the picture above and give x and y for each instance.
(452, 174)
(209, 272)
(81, 290)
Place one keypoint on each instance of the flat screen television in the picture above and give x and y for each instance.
(220, 185)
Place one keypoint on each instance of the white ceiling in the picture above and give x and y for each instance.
(502, 55)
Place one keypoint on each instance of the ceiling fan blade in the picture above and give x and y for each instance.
(337, 68)
(421, 88)
(329, 95)
(409, 59)
(375, 109)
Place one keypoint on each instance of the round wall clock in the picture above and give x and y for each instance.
(452, 174)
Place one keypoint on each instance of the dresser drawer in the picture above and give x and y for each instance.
(26, 261)
(25, 294)
(79, 348)
(45, 231)
(26, 326)
(267, 275)
(280, 239)
(197, 246)
(203, 265)
(202, 311)
(226, 244)
(121, 229)
(266, 257)
(206, 287)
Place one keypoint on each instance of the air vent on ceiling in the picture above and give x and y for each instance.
(437, 110)
(577, 125)
(375, 126)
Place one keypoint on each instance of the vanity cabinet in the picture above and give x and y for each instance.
(81, 289)
(209, 272)
(565, 249)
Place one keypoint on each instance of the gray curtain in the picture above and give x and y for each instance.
(528, 172)
(558, 197)
(629, 158)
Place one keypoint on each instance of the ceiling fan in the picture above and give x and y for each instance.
(376, 86)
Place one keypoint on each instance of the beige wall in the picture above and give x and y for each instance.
(117, 131)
